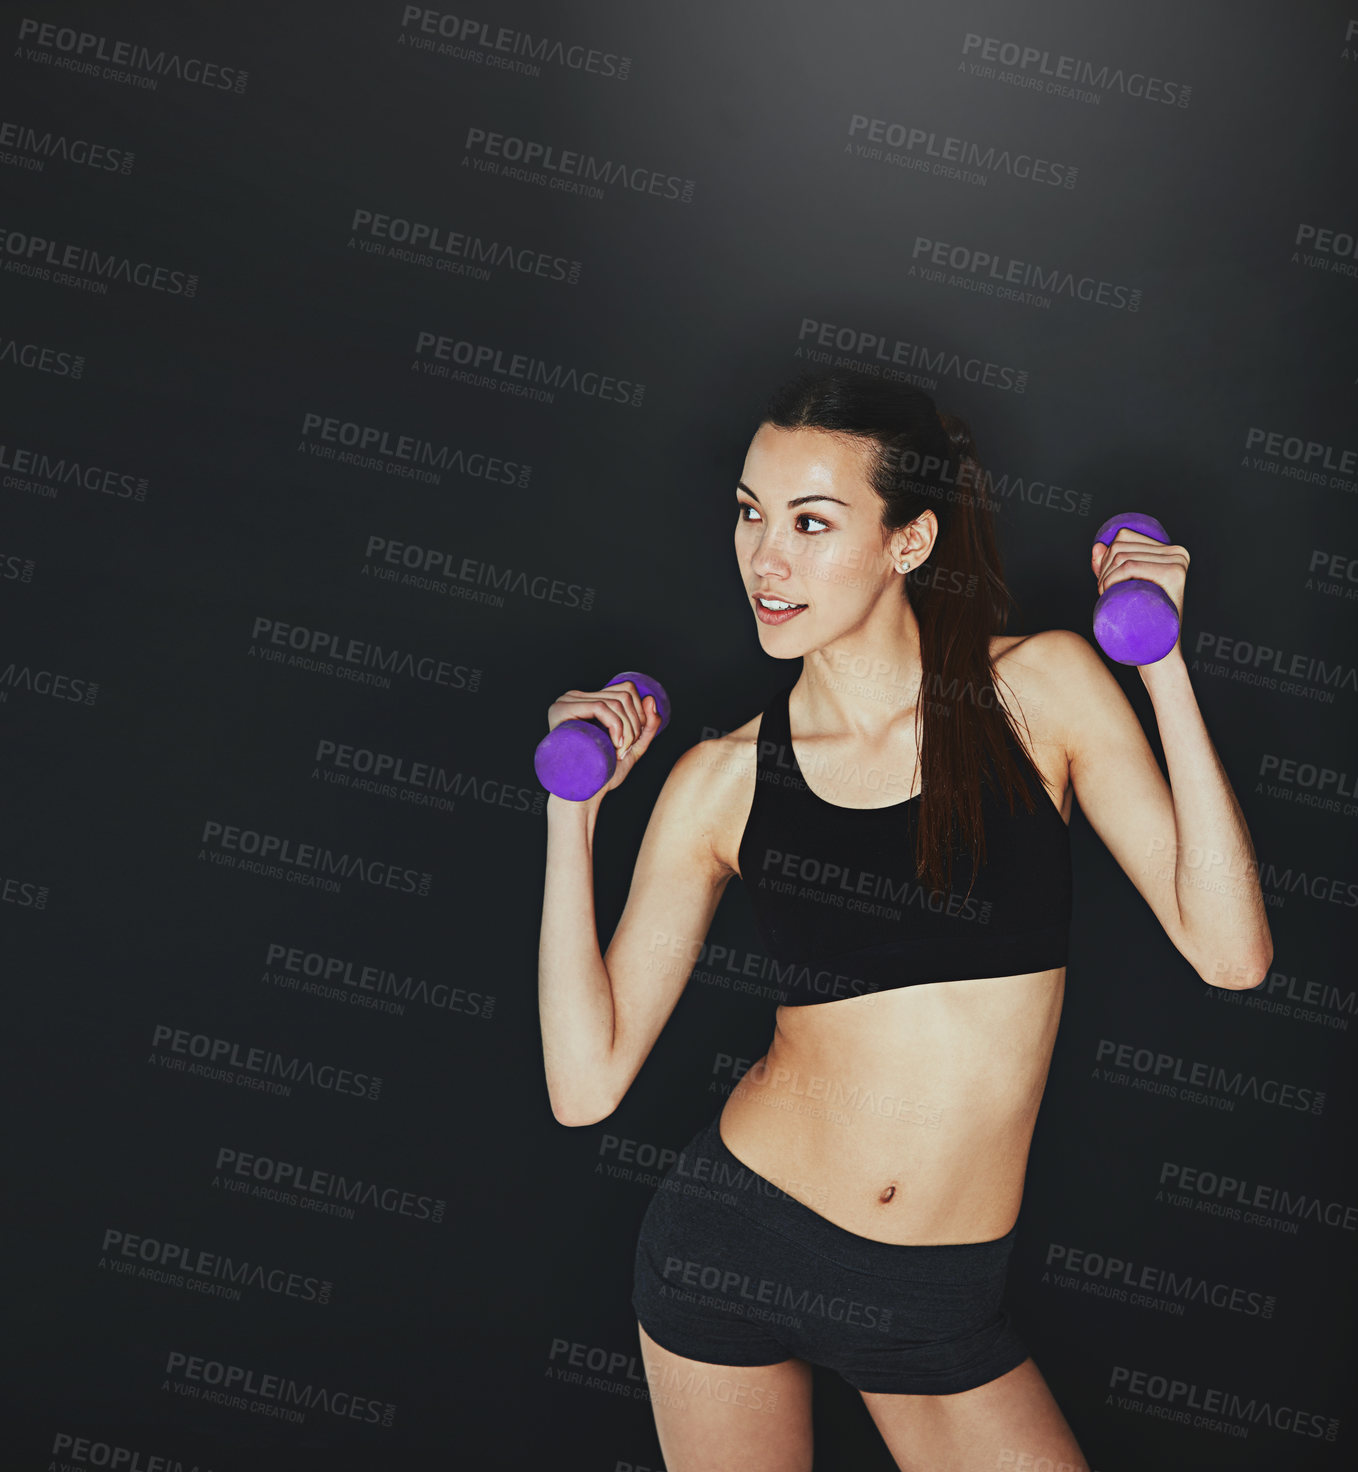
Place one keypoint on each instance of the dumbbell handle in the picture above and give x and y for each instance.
(1135, 621)
(576, 758)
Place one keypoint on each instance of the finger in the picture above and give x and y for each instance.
(621, 722)
(634, 716)
(1126, 537)
(568, 707)
(605, 711)
(1119, 571)
(609, 709)
(631, 723)
(650, 717)
(1155, 553)
(1148, 547)
(632, 708)
(648, 734)
(1159, 572)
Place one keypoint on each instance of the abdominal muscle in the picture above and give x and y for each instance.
(904, 1116)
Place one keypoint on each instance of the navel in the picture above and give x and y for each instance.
(887, 1194)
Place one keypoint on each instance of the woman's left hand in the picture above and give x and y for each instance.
(1131, 555)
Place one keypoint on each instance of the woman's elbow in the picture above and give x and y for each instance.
(1239, 974)
(577, 1113)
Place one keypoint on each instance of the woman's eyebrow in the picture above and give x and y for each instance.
(796, 500)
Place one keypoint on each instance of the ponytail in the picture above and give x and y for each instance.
(925, 460)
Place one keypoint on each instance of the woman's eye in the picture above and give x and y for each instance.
(743, 506)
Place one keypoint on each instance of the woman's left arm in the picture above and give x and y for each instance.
(1185, 844)
(1216, 876)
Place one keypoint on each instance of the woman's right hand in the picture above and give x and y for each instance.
(630, 720)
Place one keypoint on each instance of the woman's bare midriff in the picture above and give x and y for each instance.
(904, 1116)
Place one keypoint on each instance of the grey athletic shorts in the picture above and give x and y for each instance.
(732, 1270)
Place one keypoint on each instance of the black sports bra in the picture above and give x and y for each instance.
(839, 904)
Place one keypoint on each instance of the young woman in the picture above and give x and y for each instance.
(899, 816)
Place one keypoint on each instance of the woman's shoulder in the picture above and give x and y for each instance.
(1041, 672)
(722, 760)
(716, 782)
(1049, 653)
(721, 763)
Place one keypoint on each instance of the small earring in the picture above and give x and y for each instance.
(903, 567)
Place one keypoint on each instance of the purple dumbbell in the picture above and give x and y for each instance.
(575, 759)
(1135, 621)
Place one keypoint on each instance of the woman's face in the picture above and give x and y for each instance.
(809, 533)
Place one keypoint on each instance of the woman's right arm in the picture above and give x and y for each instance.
(600, 1015)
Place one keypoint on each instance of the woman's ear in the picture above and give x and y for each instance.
(926, 530)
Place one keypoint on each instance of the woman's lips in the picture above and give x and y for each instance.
(776, 615)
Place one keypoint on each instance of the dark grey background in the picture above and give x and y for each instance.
(461, 1324)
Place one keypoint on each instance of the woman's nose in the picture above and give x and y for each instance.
(769, 555)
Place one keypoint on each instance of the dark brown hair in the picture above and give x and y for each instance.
(924, 460)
